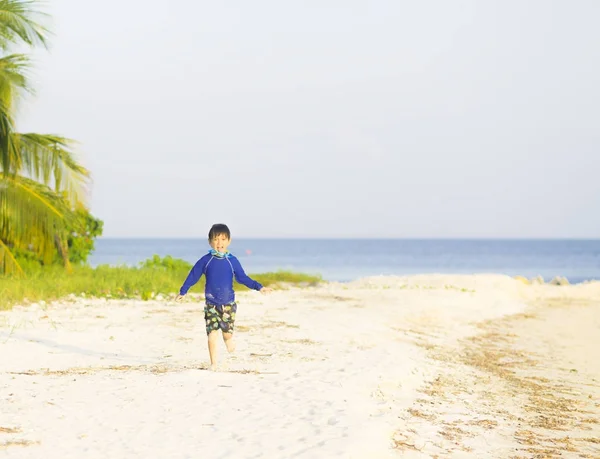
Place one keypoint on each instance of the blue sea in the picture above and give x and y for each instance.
(348, 259)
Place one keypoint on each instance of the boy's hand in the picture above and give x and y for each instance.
(179, 298)
(266, 290)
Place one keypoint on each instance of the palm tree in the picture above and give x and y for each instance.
(41, 183)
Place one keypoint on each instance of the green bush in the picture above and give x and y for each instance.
(83, 229)
(167, 263)
(82, 236)
(153, 276)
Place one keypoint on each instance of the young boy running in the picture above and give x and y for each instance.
(219, 266)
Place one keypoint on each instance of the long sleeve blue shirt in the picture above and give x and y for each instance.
(219, 272)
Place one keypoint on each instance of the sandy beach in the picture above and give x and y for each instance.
(428, 366)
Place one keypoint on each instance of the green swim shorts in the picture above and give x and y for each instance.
(220, 317)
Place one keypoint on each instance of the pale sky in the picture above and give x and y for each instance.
(330, 118)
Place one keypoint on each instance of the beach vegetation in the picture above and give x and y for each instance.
(154, 278)
(42, 184)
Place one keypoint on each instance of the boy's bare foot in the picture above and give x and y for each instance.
(213, 367)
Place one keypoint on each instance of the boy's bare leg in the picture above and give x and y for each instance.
(229, 342)
(213, 340)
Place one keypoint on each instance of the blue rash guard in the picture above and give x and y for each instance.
(219, 272)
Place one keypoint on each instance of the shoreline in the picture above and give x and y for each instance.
(170, 280)
(418, 366)
(351, 259)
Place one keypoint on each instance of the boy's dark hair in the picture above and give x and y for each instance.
(217, 229)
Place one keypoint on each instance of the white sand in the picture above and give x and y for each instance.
(381, 367)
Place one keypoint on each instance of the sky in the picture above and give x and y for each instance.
(330, 118)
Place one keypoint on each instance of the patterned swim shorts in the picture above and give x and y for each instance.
(220, 317)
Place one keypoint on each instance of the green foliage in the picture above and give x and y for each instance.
(21, 24)
(28, 260)
(82, 229)
(154, 276)
(82, 236)
(41, 182)
(167, 263)
(286, 277)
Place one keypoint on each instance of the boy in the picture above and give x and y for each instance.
(219, 266)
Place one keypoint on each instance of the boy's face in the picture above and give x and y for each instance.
(220, 243)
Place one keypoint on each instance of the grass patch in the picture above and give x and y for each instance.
(155, 276)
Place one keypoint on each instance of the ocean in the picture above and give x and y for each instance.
(348, 259)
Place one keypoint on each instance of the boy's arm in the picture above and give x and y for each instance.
(242, 277)
(194, 275)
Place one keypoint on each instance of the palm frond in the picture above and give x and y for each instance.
(8, 263)
(51, 160)
(13, 82)
(8, 158)
(41, 182)
(32, 216)
(14, 79)
(19, 23)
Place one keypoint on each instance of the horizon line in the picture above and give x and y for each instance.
(325, 238)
